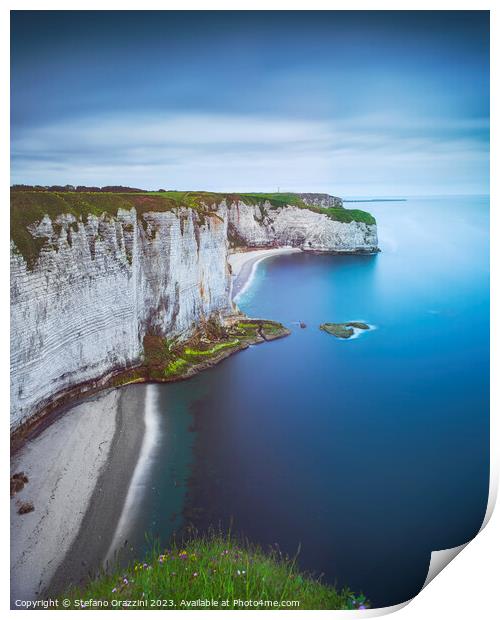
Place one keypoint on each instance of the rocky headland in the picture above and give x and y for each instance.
(105, 285)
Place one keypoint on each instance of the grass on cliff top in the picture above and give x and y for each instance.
(29, 207)
(214, 568)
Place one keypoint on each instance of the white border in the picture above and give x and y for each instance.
(468, 587)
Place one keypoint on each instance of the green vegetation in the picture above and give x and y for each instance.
(135, 375)
(338, 214)
(212, 350)
(29, 207)
(348, 215)
(175, 367)
(208, 571)
(343, 330)
(253, 328)
(170, 359)
(275, 200)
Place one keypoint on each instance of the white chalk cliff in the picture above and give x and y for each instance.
(256, 226)
(81, 310)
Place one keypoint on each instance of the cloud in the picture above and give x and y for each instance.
(355, 155)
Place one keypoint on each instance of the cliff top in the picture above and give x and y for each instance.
(29, 206)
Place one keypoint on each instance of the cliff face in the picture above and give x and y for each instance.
(321, 200)
(94, 293)
(101, 283)
(258, 226)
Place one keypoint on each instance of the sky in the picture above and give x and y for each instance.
(351, 103)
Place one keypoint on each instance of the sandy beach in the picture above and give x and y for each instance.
(106, 505)
(62, 465)
(79, 470)
(243, 266)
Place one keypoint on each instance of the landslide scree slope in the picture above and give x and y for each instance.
(94, 273)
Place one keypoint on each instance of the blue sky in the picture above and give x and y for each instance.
(350, 103)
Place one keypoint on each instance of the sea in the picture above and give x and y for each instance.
(361, 456)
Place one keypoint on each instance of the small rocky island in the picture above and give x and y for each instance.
(343, 330)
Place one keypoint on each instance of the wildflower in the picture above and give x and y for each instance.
(113, 590)
(195, 574)
(125, 581)
(362, 607)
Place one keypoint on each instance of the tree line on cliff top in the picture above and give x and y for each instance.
(117, 189)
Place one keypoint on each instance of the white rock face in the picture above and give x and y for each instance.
(98, 287)
(256, 226)
(84, 308)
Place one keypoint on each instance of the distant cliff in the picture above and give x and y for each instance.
(92, 274)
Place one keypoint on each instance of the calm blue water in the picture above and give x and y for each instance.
(369, 453)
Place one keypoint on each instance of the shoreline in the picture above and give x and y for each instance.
(107, 503)
(135, 488)
(244, 266)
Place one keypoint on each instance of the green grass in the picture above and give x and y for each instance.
(275, 199)
(349, 215)
(129, 376)
(212, 350)
(29, 207)
(175, 367)
(219, 571)
(169, 359)
(338, 214)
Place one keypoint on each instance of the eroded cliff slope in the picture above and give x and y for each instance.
(92, 275)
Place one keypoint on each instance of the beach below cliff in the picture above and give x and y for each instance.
(244, 263)
(85, 473)
(79, 472)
